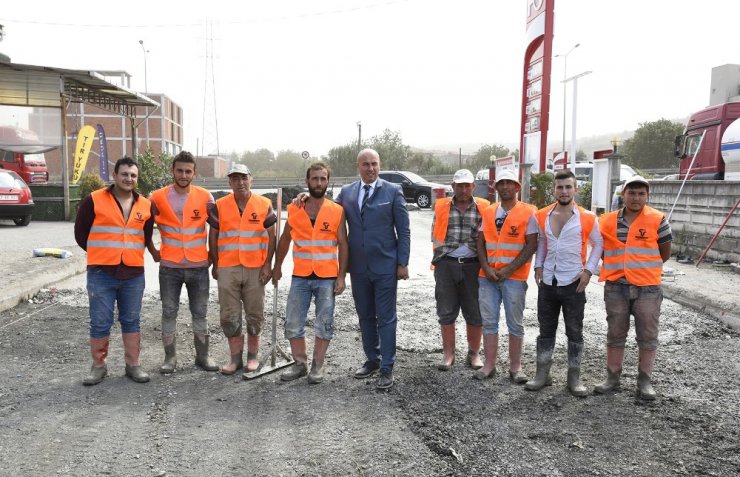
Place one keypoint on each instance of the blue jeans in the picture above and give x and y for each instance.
(375, 302)
(171, 281)
(299, 300)
(512, 293)
(104, 291)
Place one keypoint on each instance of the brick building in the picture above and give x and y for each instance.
(212, 166)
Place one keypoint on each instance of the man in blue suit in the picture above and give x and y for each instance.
(379, 247)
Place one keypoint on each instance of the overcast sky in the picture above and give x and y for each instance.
(300, 74)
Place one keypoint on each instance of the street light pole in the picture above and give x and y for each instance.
(565, 75)
(359, 136)
(146, 91)
(573, 151)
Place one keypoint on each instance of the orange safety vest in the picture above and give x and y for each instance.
(242, 239)
(588, 219)
(442, 218)
(639, 259)
(503, 248)
(186, 239)
(111, 241)
(315, 246)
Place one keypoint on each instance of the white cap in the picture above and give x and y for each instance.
(636, 180)
(239, 169)
(463, 176)
(507, 175)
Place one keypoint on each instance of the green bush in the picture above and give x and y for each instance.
(540, 192)
(584, 196)
(154, 172)
(89, 183)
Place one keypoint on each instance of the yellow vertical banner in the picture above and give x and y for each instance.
(82, 151)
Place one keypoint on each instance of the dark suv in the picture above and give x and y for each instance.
(415, 188)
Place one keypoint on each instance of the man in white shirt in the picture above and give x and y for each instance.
(562, 273)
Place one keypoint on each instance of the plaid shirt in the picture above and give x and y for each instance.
(462, 229)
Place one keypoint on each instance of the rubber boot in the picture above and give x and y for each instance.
(545, 348)
(448, 347)
(253, 347)
(575, 352)
(316, 375)
(98, 352)
(131, 351)
(170, 355)
(644, 372)
(236, 349)
(202, 360)
(474, 334)
(490, 350)
(299, 367)
(515, 359)
(614, 358)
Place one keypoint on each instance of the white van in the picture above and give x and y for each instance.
(585, 172)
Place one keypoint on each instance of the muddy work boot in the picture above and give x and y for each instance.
(132, 349)
(99, 370)
(575, 386)
(170, 355)
(545, 348)
(202, 360)
(316, 375)
(644, 387)
(610, 384)
(236, 349)
(296, 371)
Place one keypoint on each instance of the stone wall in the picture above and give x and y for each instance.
(699, 213)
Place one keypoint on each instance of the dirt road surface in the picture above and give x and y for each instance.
(430, 423)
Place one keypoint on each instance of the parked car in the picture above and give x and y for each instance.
(16, 201)
(415, 188)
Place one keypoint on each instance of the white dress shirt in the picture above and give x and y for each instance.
(560, 257)
(362, 192)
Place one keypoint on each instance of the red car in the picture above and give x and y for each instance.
(15, 198)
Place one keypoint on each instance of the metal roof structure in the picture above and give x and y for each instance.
(42, 86)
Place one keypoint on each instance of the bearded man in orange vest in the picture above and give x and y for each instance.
(455, 229)
(505, 248)
(241, 246)
(318, 232)
(562, 273)
(637, 241)
(181, 211)
(114, 225)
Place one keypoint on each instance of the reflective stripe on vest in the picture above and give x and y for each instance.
(442, 218)
(638, 260)
(242, 239)
(588, 220)
(186, 239)
(315, 245)
(111, 241)
(503, 248)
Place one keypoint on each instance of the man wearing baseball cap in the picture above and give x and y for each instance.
(505, 248)
(455, 230)
(242, 243)
(637, 241)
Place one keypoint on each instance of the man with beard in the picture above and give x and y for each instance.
(317, 230)
(505, 248)
(242, 243)
(562, 273)
(181, 211)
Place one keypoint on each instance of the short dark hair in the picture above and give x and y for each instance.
(124, 161)
(318, 165)
(565, 174)
(184, 156)
(636, 185)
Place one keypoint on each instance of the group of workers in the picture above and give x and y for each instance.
(482, 257)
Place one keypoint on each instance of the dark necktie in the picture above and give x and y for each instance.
(364, 198)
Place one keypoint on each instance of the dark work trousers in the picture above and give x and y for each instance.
(550, 300)
(456, 287)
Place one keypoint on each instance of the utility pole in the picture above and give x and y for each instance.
(565, 75)
(460, 157)
(146, 92)
(359, 136)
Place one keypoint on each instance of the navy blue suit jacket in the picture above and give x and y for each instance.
(380, 239)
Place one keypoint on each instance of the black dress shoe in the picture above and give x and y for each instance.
(385, 380)
(367, 370)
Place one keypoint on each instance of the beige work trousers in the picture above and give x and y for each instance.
(241, 286)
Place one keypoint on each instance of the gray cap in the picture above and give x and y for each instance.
(239, 169)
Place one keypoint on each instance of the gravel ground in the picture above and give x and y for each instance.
(430, 423)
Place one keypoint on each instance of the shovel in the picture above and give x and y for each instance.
(275, 349)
